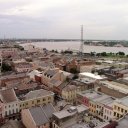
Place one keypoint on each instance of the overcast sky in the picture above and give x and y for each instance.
(102, 19)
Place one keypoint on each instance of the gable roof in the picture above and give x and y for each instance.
(8, 96)
(42, 114)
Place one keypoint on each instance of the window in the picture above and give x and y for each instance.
(43, 99)
(17, 110)
(38, 101)
(5, 113)
(13, 111)
(32, 102)
(122, 110)
(114, 113)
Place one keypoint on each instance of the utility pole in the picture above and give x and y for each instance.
(82, 43)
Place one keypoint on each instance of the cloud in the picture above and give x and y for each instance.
(102, 19)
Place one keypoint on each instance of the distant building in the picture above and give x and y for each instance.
(9, 52)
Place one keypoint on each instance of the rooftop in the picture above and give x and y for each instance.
(13, 124)
(37, 94)
(69, 88)
(91, 75)
(98, 97)
(116, 86)
(86, 80)
(8, 96)
(123, 123)
(66, 113)
(13, 76)
(123, 101)
(42, 114)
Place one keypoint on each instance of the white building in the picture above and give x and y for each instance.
(10, 102)
(108, 113)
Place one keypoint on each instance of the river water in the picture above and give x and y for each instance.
(74, 45)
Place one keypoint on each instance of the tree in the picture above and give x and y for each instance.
(6, 67)
(73, 70)
(120, 53)
(103, 54)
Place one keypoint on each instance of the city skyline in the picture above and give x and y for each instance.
(102, 19)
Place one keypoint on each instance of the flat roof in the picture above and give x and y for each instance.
(65, 113)
(116, 86)
(123, 123)
(98, 97)
(91, 75)
(123, 101)
(37, 94)
(86, 80)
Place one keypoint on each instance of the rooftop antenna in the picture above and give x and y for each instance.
(82, 43)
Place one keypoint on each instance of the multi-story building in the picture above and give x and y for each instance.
(99, 104)
(67, 117)
(84, 83)
(114, 89)
(52, 74)
(12, 77)
(35, 98)
(10, 103)
(123, 122)
(120, 107)
(23, 67)
(9, 52)
(38, 117)
(69, 93)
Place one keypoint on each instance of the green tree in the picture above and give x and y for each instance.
(6, 67)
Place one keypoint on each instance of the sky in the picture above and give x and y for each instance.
(62, 19)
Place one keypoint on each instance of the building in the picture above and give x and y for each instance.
(38, 117)
(35, 75)
(13, 124)
(36, 98)
(92, 76)
(9, 52)
(84, 83)
(120, 107)
(52, 75)
(68, 117)
(69, 93)
(12, 77)
(20, 66)
(100, 105)
(123, 122)
(114, 89)
(10, 103)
